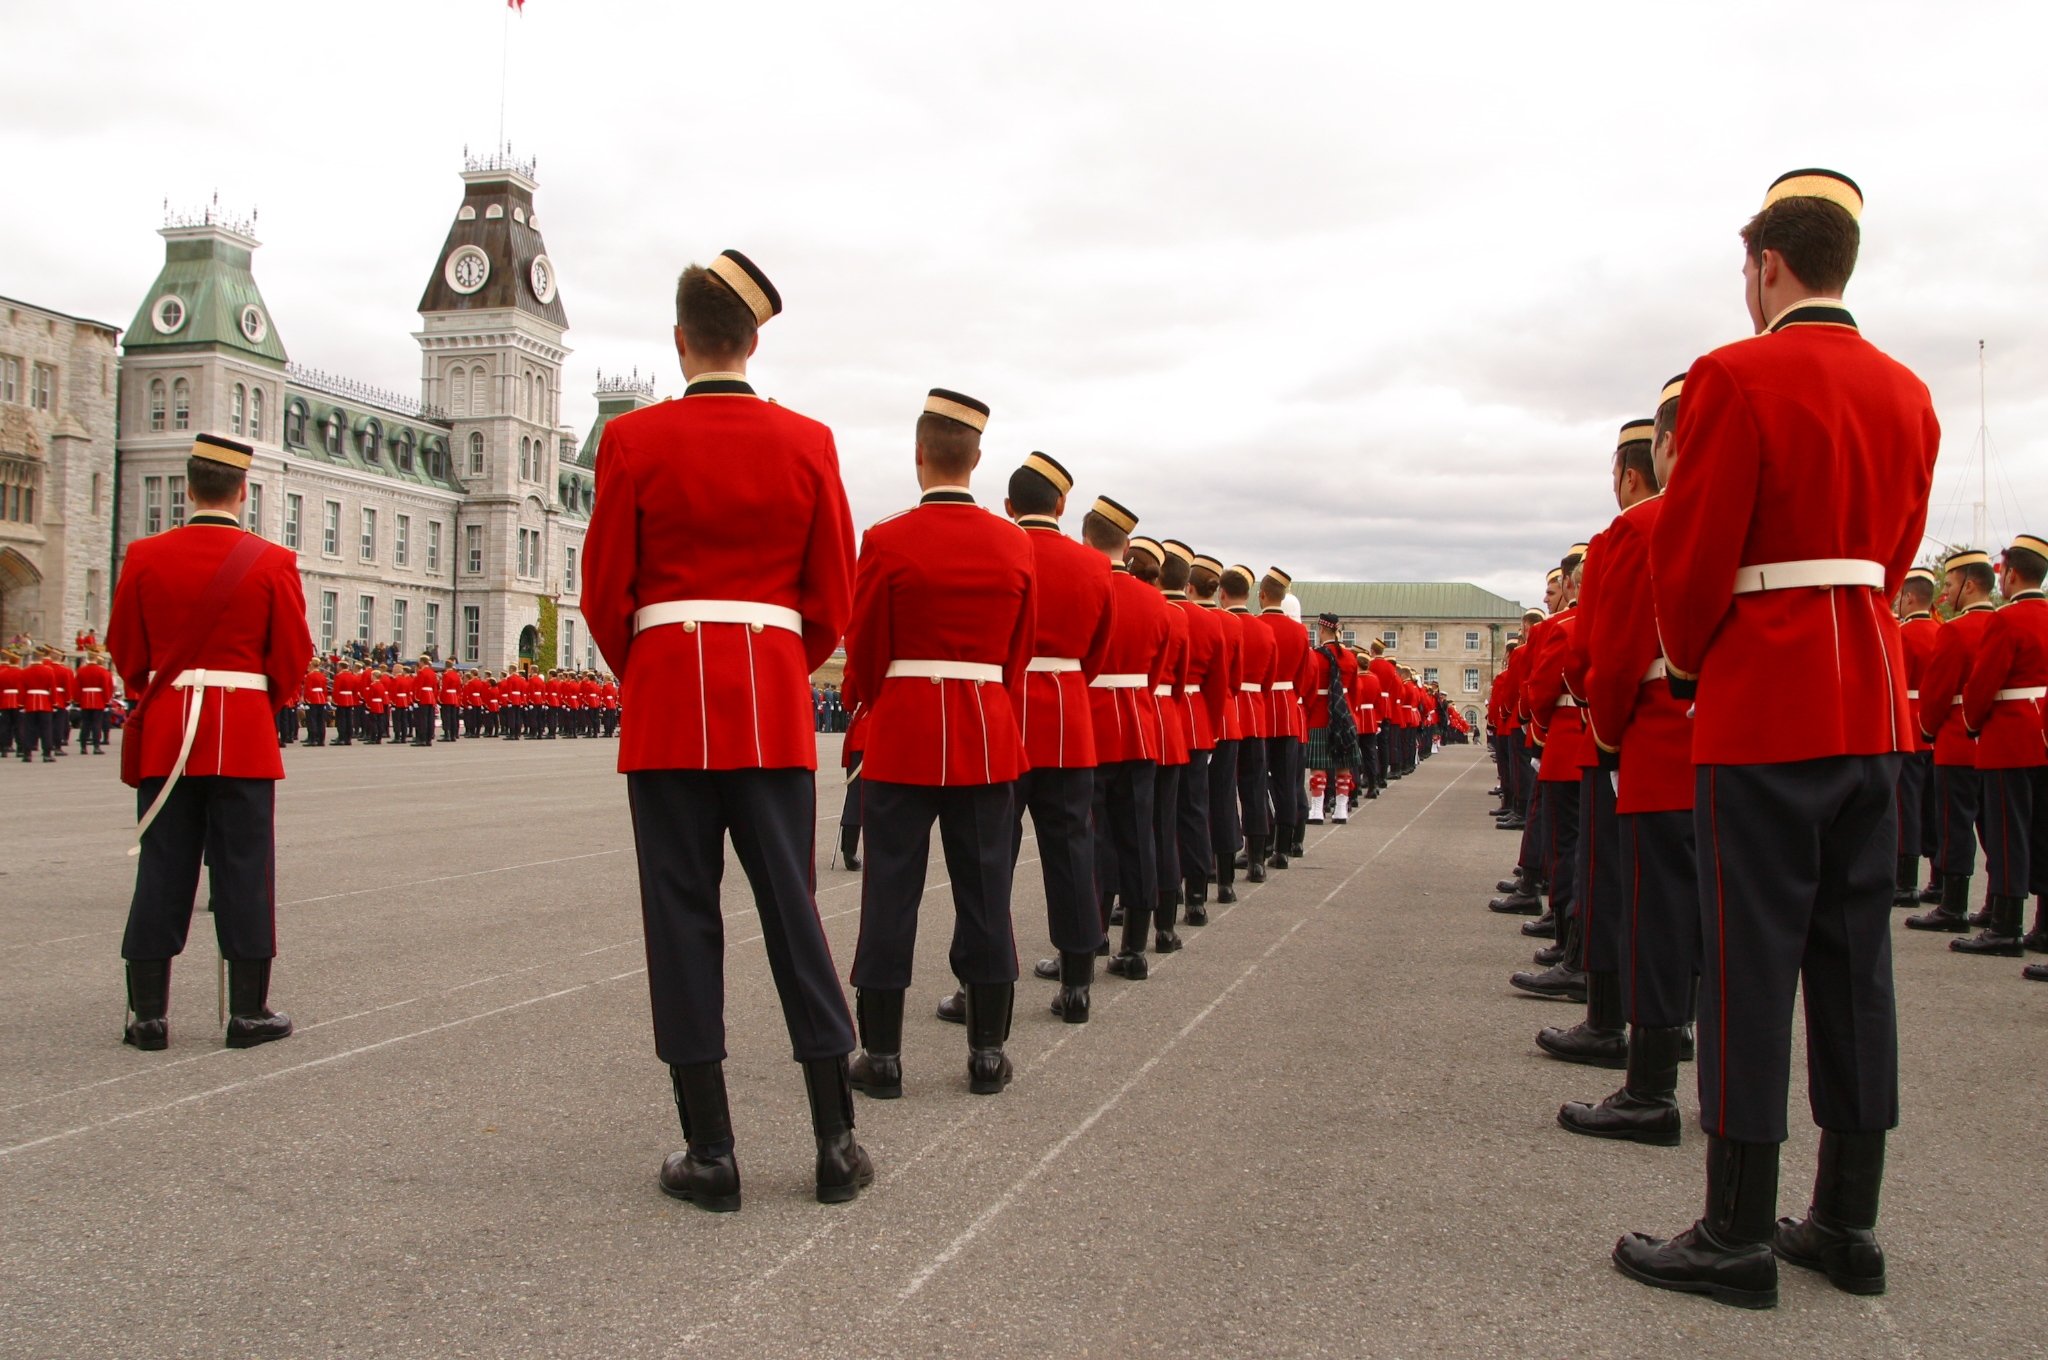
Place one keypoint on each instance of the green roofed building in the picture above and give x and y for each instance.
(1450, 632)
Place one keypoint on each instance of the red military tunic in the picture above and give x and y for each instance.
(453, 688)
(1366, 698)
(681, 489)
(1316, 694)
(1231, 627)
(1919, 633)
(261, 629)
(945, 582)
(1941, 689)
(347, 684)
(60, 685)
(1290, 675)
(1770, 429)
(1555, 719)
(1075, 615)
(11, 684)
(38, 687)
(376, 693)
(315, 687)
(1390, 687)
(474, 692)
(1255, 707)
(2011, 656)
(426, 685)
(1169, 700)
(1126, 719)
(399, 688)
(1630, 709)
(1206, 682)
(95, 687)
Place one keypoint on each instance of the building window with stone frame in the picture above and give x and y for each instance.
(1390, 639)
(476, 453)
(367, 443)
(432, 640)
(568, 643)
(152, 505)
(402, 450)
(255, 413)
(330, 529)
(329, 607)
(295, 424)
(10, 379)
(473, 549)
(399, 610)
(331, 433)
(294, 507)
(525, 459)
(256, 508)
(401, 542)
(92, 598)
(366, 547)
(97, 487)
(1429, 675)
(237, 405)
(1471, 640)
(472, 632)
(158, 403)
(433, 546)
(42, 392)
(366, 606)
(1429, 639)
(1471, 679)
(176, 485)
(569, 572)
(181, 405)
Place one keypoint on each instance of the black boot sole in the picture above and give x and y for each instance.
(1647, 1137)
(1862, 1285)
(841, 1194)
(1719, 1293)
(712, 1204)
(1613, 1063)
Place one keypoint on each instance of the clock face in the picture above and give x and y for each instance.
(253, 324)
(468, 268)
(542, 277)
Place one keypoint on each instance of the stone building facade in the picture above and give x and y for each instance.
(450, 523)
(57, 399)
(1451, 632)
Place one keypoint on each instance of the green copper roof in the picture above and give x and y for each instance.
(1403, 600)
(207, 268)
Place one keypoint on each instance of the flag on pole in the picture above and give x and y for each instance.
(519, 5)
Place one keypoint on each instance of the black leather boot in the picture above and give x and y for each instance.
(2036, 939)
(1548, 956)
(1129, 962)
(1952, 914)
(1116, 913)
(1931, 894)
(1077, 974)
(1543, 927)
(849, 846)
(1515, 822)
(843, 1165)
(1165, 939)
(1508, 885)
(1226, 881)
(1645, 1109)
(1049, 969)
(250, 1019)
(2035, 972)
(988, 1028)
(1564, 980)
(1197, 898)
(877, 1071)
(149, 1004)
(1282, 841)
(1906, 883)
(1726, 1255)
(1255, 859)
(1524, 897)
(704, 1173)
(2000, 937)
(1601, 1039)
(953, 1008)
(1836, 1237)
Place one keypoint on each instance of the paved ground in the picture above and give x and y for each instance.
(1323, 1129)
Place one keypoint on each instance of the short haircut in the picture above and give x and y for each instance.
(1377, 647)
(1032, 494)
(1667, 422)
(1271, 589)
(211, 483)
(1237, 583)
(2026, 564)
(1816, 238)
(1918, 589)
(1101, 534)
(949, 447)
(714, 321)
(1177, 571)
(1202, 582)
(1980, 575)
(1571, 563)
(1638, 454)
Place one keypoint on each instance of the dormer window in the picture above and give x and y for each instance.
(295, 425)
(332, 433)
(367, 443)
(403, 446)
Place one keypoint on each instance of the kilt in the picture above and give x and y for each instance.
(1327, 754)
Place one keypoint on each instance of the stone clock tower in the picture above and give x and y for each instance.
(491, 356)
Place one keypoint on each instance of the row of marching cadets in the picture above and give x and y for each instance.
(1694, 848)
(43, 696)
(402, 703)
(1120, 690)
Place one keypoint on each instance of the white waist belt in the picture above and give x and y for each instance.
(2029, 692)
(39, 691)
(1567, 701)
(197, 678)
(1280, 685)
(1914, 695)
(749, 612)
(1249, 689)
(1192, 689)
(1053, 665)
(1120, 682)
(92, 689)
(946, 670)
(1658, 670)
(1819, 573)
(1162, 691)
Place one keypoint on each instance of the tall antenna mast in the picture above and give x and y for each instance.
(1980, 530)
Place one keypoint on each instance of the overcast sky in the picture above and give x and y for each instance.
(1362, 291)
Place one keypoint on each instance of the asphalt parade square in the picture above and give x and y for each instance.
(1322, 1129)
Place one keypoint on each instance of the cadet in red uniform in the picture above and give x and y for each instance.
(512, 704)
(1147, 561)
(1074, 615)
(1958, 786)
(1255, 672)
(1808, 457)
(1557, 730)
(1919, 631)
(1382, 668)
(453, 689)
(38, 708)
(1332, 730)
(2002, 708)
(943, 622)
(208, 627)
(11, 683)
(1205, 695)
(314, 690)
(62, 683)
(1367, 701)
(425, 694)
(717, 572)
(1285, 730)
(1220, 691)
(344, 692)
(95, 691)
(473, 693)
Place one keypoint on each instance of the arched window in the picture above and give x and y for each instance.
(476, 453)
(295, 424)
(404, 448)
(335, 425)
(525, 459)
(181, 405)
(256, 413)
(240, 403)
(369, 441)
(156, 404)
(479, 391)
(458, 391)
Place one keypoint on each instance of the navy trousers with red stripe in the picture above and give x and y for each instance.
(1560, 832)
(1598, 881)
(1796, 868)
(2011, 821)
(1916, 786)
(1661, 893)
(1959, 790)
(680, 822)
(977, 830)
